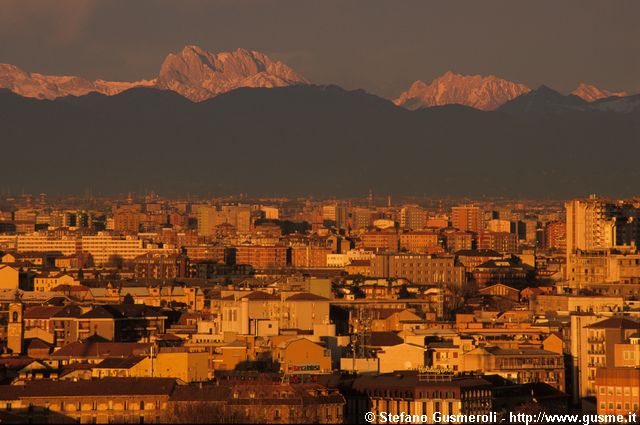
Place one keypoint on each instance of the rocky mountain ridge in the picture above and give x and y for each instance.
(193, 72)
(200, 75)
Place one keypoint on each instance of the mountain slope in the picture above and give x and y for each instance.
(53, 86)
(200, 75)
(480, 92)
(592, 93)
(194, 73)
(309, 140)
(544, 100)
(625, 105)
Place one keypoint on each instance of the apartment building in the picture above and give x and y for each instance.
(420, 394)
(613, 272)
(467, 217)
(618, 391)
(502, 242)
(593, 346)
(521, 365)
(419, 241)
(310, 256)
(419, 268)
(262, 257)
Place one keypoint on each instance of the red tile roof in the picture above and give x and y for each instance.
(42, 312)
(101, 349)
(616, 323)
(306, 296)
(97, 388)
(259, 295)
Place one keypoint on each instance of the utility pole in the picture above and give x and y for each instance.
(152, 371)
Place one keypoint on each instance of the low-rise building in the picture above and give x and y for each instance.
(419, 268)
(413, 393)
(46, 281)
(618, 391)
(302, 356)
(521, 365)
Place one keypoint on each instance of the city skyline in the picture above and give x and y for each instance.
(117, 298)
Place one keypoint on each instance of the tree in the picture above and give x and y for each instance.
(404, 293)
(115, 262)
(128, 299)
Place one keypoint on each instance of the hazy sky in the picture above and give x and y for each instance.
(381, 46)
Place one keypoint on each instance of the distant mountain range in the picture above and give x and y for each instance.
(200, 75)
(484, 93)
(481, 92)
(194, 73)
(42, 86)
(592, 93)
(318, 140)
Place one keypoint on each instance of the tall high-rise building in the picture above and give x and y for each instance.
(209, 217)
(361, 217)
(555, 235)
(337, 213)
(207, 220)
(596, 224)
(413, 217)
(466, 217)
(601, 239)
(329, 212)
(498, 225)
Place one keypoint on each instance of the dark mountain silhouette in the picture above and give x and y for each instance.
(314, 140)
(627, 104)
(544, 100)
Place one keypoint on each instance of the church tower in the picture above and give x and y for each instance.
(16, 328)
